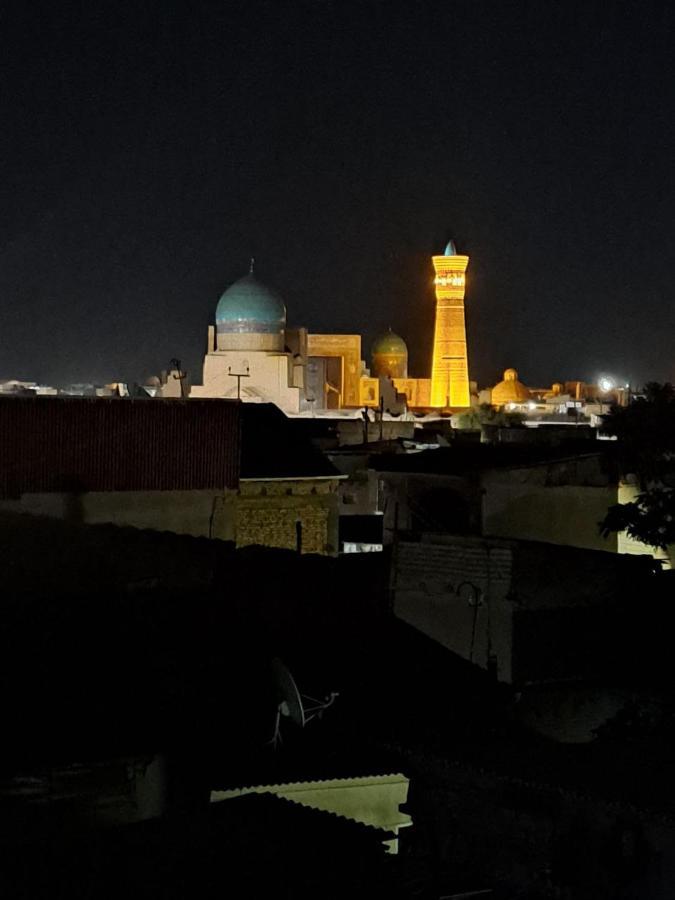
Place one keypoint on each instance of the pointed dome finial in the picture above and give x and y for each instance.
(252, 264)
(450, 249)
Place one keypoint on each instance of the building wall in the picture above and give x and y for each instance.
(270, 378)
(369, 391)
(348, 347)
(566, 514)
(359, 494)
(537, 611)
(83, 560)
(415, 501)
(181, 512)
(416, 390)
(267, 513)
(352, 431)
(456, 592)
(263, 513)
(533, 503)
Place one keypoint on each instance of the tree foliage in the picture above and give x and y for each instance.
(485, 414)
(645, 430)
(649, 518)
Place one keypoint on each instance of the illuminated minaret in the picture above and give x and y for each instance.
(450, 366)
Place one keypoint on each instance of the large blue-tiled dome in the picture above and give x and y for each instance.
(250, 307)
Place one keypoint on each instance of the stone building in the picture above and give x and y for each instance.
(216, 469)
(252, 355)
(532, 613)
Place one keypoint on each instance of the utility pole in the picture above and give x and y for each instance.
(238, 376)
(179, 375)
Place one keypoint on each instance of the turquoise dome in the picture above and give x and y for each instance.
(250, 307)
(450, 249)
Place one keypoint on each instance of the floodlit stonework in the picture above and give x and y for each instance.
(450, 366)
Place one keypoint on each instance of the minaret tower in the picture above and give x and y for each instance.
(450, 366)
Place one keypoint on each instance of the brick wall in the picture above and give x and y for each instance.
(267, 514)
(456, 592)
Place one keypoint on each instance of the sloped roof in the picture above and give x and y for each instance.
(117, 444)
(373, 800)
(272, 448)
(55, 444)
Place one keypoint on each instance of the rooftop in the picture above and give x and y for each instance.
(273, 448)
(66, 444)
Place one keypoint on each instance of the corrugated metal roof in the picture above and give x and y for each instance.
(117, 444)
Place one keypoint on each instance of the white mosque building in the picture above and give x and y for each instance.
(247, 352)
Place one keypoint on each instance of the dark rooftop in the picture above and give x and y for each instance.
(252, 846)
(117, 444)
(463, 459)
(273, 448)
(65, 444)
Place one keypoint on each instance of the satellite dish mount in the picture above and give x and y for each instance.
(291, 704)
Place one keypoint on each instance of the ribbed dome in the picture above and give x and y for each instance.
(390, 356)
(510, 390)
(390, 343)
(250, 307)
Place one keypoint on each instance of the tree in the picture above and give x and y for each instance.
(485, 414)
(645, 430)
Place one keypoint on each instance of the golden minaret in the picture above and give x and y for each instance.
(450, 366)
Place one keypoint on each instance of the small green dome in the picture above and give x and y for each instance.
(250, 307)
(390, 343)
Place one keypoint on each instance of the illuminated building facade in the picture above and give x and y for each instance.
(450, 366)
(334, 370)
(247, 357)
(390, 356)
(253, 356)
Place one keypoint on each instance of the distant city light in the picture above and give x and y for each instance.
(606, 385)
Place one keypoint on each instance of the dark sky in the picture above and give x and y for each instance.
(149, 150)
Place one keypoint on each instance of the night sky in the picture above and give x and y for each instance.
(149, 150)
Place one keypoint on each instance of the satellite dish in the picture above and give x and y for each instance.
(291, 704)
(288, 696)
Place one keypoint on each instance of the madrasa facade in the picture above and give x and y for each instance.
(253, 355)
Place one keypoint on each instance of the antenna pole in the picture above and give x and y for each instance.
(179, 375)
(238, 376)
